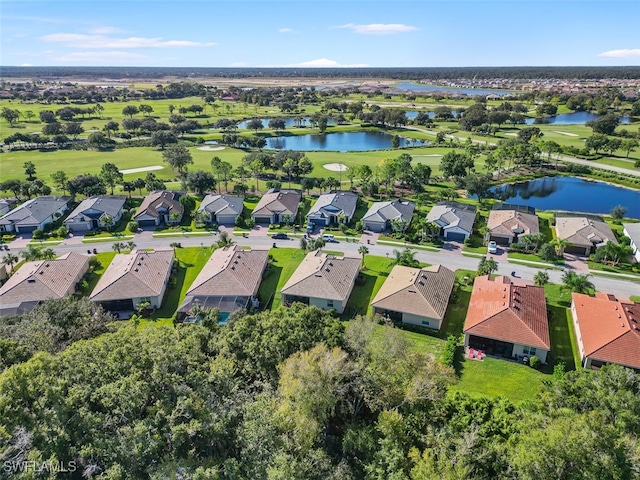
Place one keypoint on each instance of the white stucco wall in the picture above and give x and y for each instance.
(323, 304)
(419, 320)
(540, 353)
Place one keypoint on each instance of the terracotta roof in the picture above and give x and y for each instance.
(453, 214)
(610, 329)
(510, 312)
(512, 222)
(334, 204)
(37, 281)
(423, 292)
(231, 271)
(323, 276)
(283, 202)
(386, 211)
(160, 199)
(134, 275)
(585, 230)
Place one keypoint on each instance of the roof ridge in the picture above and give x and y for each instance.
(623, 333)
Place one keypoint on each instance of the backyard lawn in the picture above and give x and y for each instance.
(371, 279)
(285, 262)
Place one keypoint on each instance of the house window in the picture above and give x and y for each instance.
(330, 303)
(145, 299)
(425, 323)
(529, 351)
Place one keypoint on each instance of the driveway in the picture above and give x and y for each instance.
(576, 263)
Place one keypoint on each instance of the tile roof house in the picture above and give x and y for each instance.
(332, 208)
(91, 211)
(454, 219)
(632, 230)
(380, 215)
(415, 295)
(507, 319)
(37, 281)
(507, 222)
(583, 233)
(6, 204)
(34, 214)
(275, 205)
(157, 207)
(229, 281)
(607, 330)
(222, 209)
(132, 278)
(322, 280)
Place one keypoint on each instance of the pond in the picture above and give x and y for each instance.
(339, 142)
(573, 118)
(411, 114)
(288, 122)
(419, 87)
(570, 194)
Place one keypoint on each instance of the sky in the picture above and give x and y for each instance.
(319, 33)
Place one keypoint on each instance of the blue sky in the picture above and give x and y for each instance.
(331, 33)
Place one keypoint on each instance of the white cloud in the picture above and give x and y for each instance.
(286, 30)
(379, 28)
(26, 65)
(99, 56)
(100, 41)
(105, 30)
(325, 63)
(624, 53)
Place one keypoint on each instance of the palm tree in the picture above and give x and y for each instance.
(560, 244)
(541, 278)
(131, 245)
(223, 240)
(577, 283)
(487, 266)
(10, 259)
(118, 246)
(405, 257)
(362, 250)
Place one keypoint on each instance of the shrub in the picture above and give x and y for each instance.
(94, 263)
(38, 234)
(62, 231)
(534, 362)
(449, 352)
(132, 226)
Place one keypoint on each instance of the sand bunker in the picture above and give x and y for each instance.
(565, 133)
(336, 167)
(142, 169)
(209, 148)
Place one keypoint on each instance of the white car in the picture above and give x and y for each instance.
(493, 247)
(327, 237)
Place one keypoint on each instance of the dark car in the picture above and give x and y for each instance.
(279, 236)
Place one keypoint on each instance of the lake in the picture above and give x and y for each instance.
(573, 118)
(570, 194)
(339, 142)
(419, 87)
(288, 122)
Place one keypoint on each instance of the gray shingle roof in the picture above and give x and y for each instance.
(334, 204)
(104, 204)
(453, 214)
(392, 210)
(34, 211)
(221, 205)
(633, 230)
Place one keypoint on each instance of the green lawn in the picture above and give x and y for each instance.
(105, 259)
(371, 279)
(561, 332)
(285, 262)
(635, 298)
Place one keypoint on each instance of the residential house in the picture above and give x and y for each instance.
(583, 233)
(6, 204)
(34, 214)
(507, 222)
(381, 215)
(454, 219)
(221, 209)
(322, 280)
(133, 278)
(607, 330)
(37, 281)
(90, 214)
(333, 208)
(415, 295)
(507, 319)
(229, 281)
(277, 206)
(157, 208)
(632, 230)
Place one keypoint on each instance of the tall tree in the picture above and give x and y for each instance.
(60, 180)
(178, 157)
(110, 175)
(29, 170)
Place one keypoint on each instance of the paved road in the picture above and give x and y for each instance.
(449, 258)
(564, 158)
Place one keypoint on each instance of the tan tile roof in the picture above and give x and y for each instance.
(284, 202)
(134, 275)
(511, 222)
(610, 329)
(158, 199)
(423, 292)
(584, 230)
(231, 271)
(42, 279)
(503, 310)
(323, 276)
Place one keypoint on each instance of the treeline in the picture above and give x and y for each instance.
(294, 394)
(417, 73)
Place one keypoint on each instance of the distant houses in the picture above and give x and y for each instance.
(507, 319)
(91, 213)
(157, 208)
(333, 208)
(507, 222)
(35, 282)
(583, 233)
(454, 219)
(415, 295)
(381, 215)
(221, 209)
(134, 278)
(229, 281)
(322, 280)
(34, 214)
(277, 206)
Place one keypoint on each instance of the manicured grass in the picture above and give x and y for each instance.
(635, 298)
(105, 259)
(620, 268)
(285, 262)
(371, 279)
(532, 257)
(561, 332)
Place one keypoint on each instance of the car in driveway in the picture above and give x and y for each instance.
(279, 236)
(493, 247)
(327, 237)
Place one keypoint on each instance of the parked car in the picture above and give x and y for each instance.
(327, 237)
(279, 236)
(493, 247)
(310, 228)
